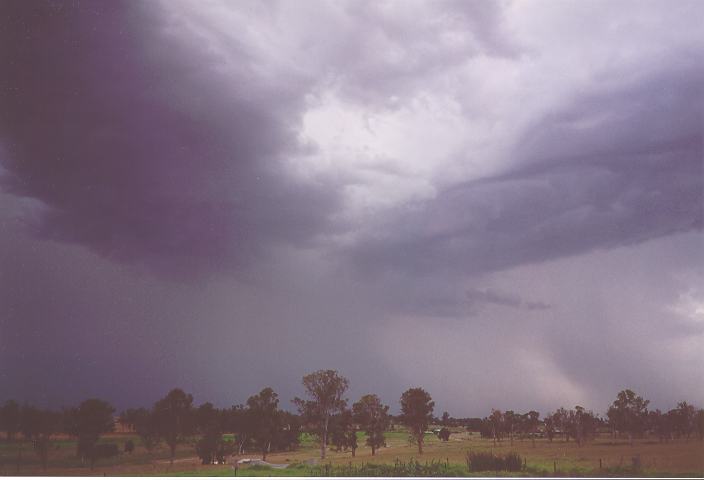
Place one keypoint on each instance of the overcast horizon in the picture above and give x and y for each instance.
(500, 202)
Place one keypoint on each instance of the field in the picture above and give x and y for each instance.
(603, 456)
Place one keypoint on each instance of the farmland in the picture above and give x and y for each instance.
(603, 456)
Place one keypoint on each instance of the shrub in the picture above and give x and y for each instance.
(512, 462)
(485, 461)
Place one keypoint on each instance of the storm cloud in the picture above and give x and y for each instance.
(501, 202)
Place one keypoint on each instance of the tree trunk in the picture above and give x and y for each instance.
(324, 440)
(373, 450)
(420, 442)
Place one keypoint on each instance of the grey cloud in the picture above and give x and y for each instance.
(378, 53)
(634, 176)
(495, 297)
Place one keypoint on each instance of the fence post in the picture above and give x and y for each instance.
(600, 465)
(19, 459)
(554, 467)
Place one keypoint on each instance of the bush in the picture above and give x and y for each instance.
(485, 461)
(512, 462)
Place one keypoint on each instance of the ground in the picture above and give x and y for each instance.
(678, 457)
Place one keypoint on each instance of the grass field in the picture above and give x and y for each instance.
(600, 457)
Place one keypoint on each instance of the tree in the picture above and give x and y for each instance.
(496, 422)
(684, 419)
(580, 424)
(511, 420)
(444, 434)
(287, 436)
(628, 413)
(342, 432)
(373, 418)
(530, 423)
(88, 422)
(417, 413)
(173, 417)
(699, 423)
(559, 420)
(209, 422)
(445, 420)
(660, 424)
(38, 426)
(549, 424)
(265, 418)
(238, 421)
(325, 389)
(142, 421)
(10, 419)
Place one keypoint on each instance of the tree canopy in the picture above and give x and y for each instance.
(417, 413)
(325, 389)
(373, 418)
(173, 418)
(88, 422)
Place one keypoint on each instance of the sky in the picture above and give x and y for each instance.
(500, 202)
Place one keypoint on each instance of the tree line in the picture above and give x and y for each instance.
(258, 425)
(628, 416)
(261, 426)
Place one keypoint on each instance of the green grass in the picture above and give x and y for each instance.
(297, 470)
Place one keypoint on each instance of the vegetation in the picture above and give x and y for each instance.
(490, 462)
(417, 413)
(628, 414)
(10, 419)
(629, 440)
(266, 419)
(172, 418)
(412, 468)
(88, 422)
(343, 434)
(325, 389)
(372, 417)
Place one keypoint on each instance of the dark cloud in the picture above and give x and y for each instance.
(386, 189)
(142, 145)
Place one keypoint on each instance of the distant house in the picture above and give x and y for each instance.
(121, 427)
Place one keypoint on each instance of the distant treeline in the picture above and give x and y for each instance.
(261, 426)
(628, 416)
